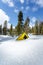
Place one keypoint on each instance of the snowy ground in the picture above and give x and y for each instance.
(26, 52)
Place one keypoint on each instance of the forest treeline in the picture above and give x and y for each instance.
(21, 27)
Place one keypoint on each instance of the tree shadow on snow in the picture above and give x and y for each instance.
(6, 39)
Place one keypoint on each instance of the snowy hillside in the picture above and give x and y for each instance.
(26, 52)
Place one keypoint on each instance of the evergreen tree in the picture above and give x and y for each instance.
(32, 30)
(19, 27)
(0, 29)
(42, 30)
(41, 27)
(11, 30)
(36, 27)
(5, 28)
(26, 25)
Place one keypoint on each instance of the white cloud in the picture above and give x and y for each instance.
(38, 2)
(8, 26)
(27, 7)
(32, 22)
(22, 7)
(8, 2)
(3, 17)
(31, 25)
(34, 9)
(22, 1)
(33, 19)
(16, 10)
(13, 27)
(27, 1)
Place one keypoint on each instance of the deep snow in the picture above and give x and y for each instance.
(26, 52)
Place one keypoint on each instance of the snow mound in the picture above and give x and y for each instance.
(26, 52)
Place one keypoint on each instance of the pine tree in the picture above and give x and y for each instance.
(19, 26)
(41, 27)
(32, 30)
(0, 29)
(11, 31)
(36, 27)
(5, 28)
(42, 30)
(26, 25)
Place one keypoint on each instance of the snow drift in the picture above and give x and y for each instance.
(26, 52)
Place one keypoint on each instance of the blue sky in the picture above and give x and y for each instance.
(30, 8)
